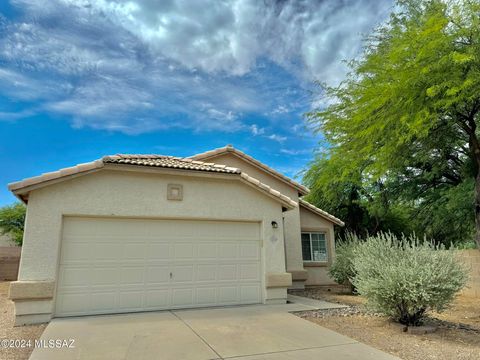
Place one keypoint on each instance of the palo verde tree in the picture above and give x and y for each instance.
(12, 221)
(403, 125)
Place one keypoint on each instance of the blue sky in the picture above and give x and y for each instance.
(80, 79)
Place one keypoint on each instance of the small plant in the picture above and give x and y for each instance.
(12, 219)
(404, 278)
(342, 270)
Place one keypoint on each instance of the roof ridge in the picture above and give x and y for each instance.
(140, 156)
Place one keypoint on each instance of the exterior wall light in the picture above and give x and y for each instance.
(274, 224)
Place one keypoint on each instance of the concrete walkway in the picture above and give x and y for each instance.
(243, 332)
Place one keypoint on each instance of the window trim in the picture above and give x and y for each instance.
(313, 262)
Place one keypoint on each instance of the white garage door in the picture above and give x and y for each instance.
(126, 265)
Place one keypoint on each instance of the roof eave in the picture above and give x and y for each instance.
(288, 203)
(322, 213)
(24, 186)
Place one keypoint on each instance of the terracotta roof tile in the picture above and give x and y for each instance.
(269, 190)
(168, 162)
(56, 174)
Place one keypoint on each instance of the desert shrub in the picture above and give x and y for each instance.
(12, 220)
(404, 278)
(342, 270)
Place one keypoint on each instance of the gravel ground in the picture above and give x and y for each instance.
(457, 337)
(8, 331)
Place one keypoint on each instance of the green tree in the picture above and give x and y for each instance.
(12, 220)
(365, 207)
(404, 122)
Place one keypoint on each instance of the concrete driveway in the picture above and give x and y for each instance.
(248, 332)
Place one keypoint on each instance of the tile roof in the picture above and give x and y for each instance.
(268, 189)
(169, 162)
(73, 170)
(160, 161)
(229, 148)
(320, 212)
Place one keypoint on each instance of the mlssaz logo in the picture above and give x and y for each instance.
(55, 343)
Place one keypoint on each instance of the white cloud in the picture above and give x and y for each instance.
(276, 137)
(214, 119)
(295, 152)
(15, 115)
(297, 128)
(136, 66)
(280, 109)
(257, 130)
(25, 88)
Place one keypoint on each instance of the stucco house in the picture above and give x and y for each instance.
(133, 233)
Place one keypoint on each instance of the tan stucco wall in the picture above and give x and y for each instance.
(318, 272)
(144, 195)
(291, 218)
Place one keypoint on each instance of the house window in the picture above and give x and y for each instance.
(314, 246)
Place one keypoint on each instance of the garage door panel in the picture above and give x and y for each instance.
(132, 275)
(237, 230)
(104, 276)
(75, 252)
(157, 299)
(157, 274)
(249, 251)
(250, 272)
(228, 251)
(249, 292)
(75, 276)
(227, 294)
(183, 251)
(104, 301)
(73, 303)
(206, 295)
(106, 251)
(124, 265)
(158, 251)
(206, 273)
(183, 297)
(182, 273)
(134, 251)
(227, 272)
(207, 251)
(130, 300)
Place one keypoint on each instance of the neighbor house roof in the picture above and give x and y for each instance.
(320, 212)
(21, 188)
(303, 190)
